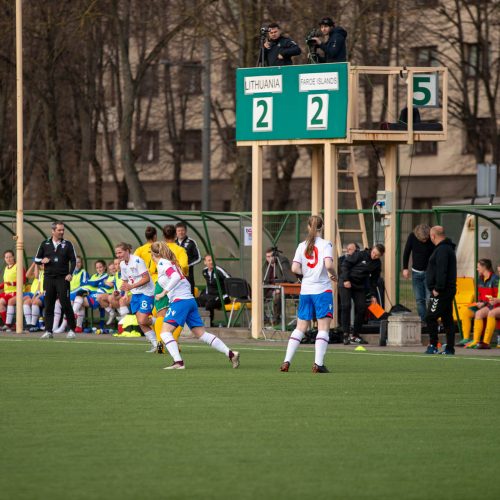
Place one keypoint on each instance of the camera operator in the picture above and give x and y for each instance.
(334, 49)
(278, 50)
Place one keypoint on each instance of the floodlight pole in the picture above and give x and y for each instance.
(20, 172)
(205, 149)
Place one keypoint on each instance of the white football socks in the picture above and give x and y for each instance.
(11, 311)
(171, 345)
(123, 311)
(79, 318)
(77, 304)
(57, 313)
(215, 343)
(293, 344)
(320, 347)
(151, 336)
(27, 313)
(35, 314)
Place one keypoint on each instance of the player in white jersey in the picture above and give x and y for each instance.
(314, 260)
(182, 309)
(137, 281)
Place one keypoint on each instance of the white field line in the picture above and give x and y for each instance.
(269, 349)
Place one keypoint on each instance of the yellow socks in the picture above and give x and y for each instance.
(466, 319)
(491, 324)
(478, 331)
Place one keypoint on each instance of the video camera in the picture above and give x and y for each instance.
(314, 33)
(264, 30)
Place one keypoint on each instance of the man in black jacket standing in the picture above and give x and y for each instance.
(59, 259)
(334, 49)
(358, 270)
(441, 278)
(279, 49)
(193, 253)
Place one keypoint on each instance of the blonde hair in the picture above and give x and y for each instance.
(124, 246)
(315, 224)
(422, 232)
(162, 250)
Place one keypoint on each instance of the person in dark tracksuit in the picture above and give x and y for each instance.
(279, 49)
(193, 253)
(59, 259)
(333, 50)
(356, 270)
(441, 278)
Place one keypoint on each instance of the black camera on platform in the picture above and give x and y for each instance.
(264, 31)
(314, 33)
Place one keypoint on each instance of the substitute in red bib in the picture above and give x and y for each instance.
(314, 260)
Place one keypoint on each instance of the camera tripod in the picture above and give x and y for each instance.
(272, 265)
(261, 61)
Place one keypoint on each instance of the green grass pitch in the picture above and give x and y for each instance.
(101, 419)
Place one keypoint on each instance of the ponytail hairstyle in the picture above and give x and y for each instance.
(162, 250)
(314, 224)
(124, 246)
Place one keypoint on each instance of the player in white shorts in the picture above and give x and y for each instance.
(182, 308)
(137, 281)
(314, 260)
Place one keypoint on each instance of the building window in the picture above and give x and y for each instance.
(228, 75)
(426, 3)
(480, 138)
(148, 146)
(148, 86)
(190, 78)
(154, 205)
(228, 135)
(192, 145)
(191, 205)
(426, 148)
(426, 56)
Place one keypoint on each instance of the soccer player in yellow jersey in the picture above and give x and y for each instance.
(8, 295)
(144, 252)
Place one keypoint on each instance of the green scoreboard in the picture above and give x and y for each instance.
(292, 102)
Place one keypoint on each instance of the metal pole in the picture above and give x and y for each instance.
(205, 148)
(19, 214)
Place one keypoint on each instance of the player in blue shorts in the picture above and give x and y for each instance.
(314, 260)
(137, 280)
(183, 308)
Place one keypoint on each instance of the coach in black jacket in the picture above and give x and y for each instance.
(357, 270)
(59, 259)
(279, 49)
(441, 278)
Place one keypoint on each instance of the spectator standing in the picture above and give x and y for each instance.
(334, 48)
(279, 49)
(193, 253)
(210, 298)
(420, 247)
(359, 275)
(441, 278)
(314, 261)
(144, 251)
(59, 259)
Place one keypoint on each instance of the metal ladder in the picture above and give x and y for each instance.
(350, 228)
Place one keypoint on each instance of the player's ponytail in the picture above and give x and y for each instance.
(314, 224)
(162, 250)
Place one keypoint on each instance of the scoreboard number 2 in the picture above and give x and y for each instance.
(317, 111)
(262, 115)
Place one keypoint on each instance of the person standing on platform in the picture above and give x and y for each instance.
(59, 259)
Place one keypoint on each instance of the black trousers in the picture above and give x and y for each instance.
(190, 278)
(57, 288)
(359, 298)
(210, 303)
(441, 307)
